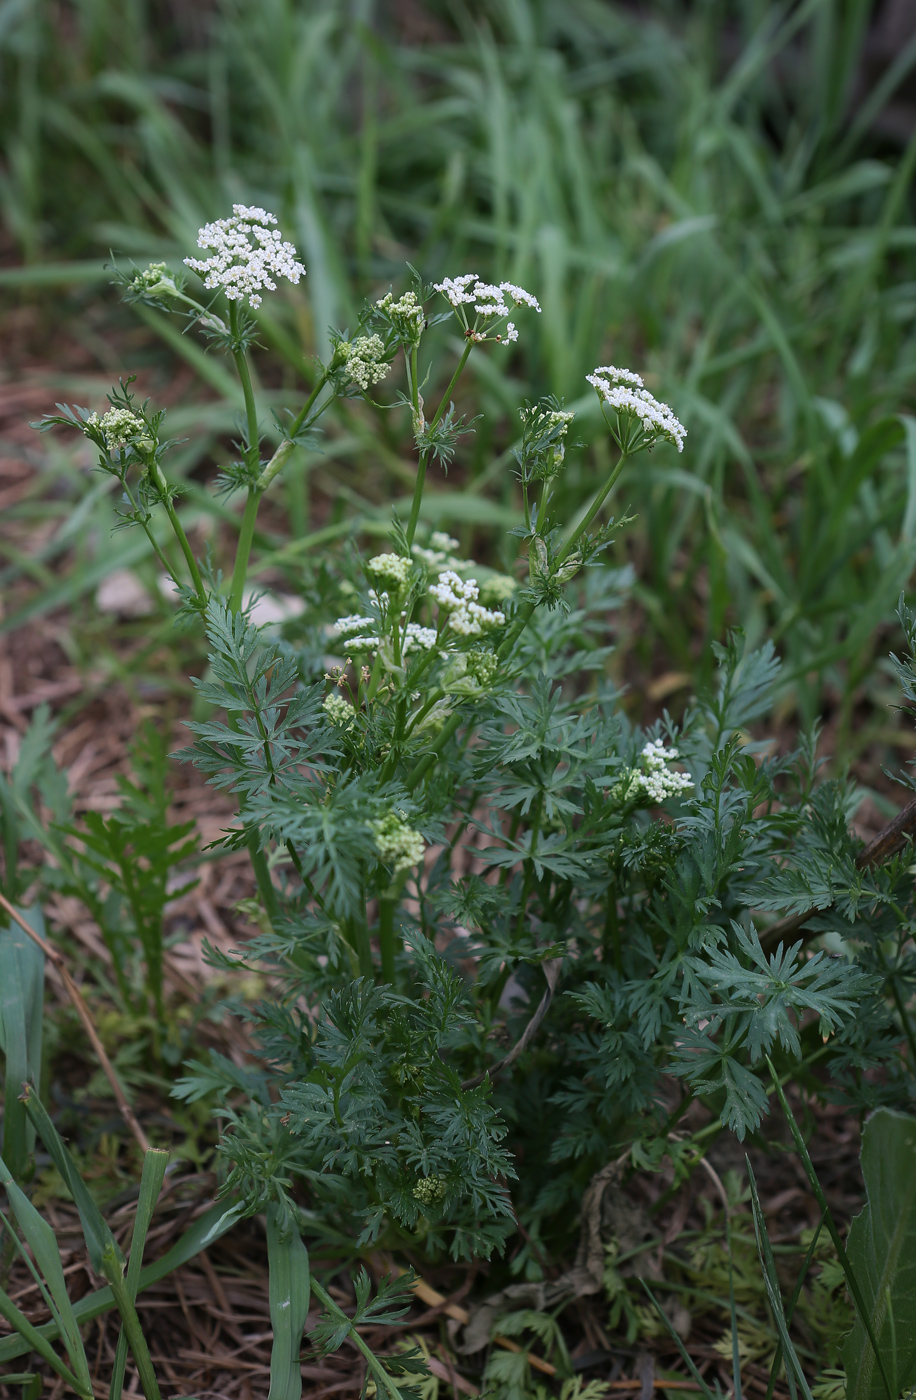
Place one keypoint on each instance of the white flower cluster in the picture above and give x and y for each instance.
(430, 1190)
(622, 390)
(393, 568)
(397, 843)
(338, 710)
(458, 597)
(247, 253)
(365, 363)
(154, 280)
(490, 302)
(657, 782)
(406, 315)
(416, 636)
(352, 631)
(119, 427)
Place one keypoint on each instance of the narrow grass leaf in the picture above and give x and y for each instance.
(207, 1229)
(21, 1011)
(39, 1236)
(154, 1165)
(289, 1292)
(96, 1233)
(882, 1252)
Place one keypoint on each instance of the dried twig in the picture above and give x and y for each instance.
(82, 1010)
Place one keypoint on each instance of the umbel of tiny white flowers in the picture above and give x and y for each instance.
(641, 419)
(490, 303)
(658, 782)
(246, 253)
(457, 598)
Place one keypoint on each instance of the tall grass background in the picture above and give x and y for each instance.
(698, 191)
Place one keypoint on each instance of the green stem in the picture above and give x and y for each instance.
(382, 1379)
(528, 880)
(423, 765)
(280, 456)
(525, 613)
(243, 548)
(421, 466)
(612, 928)
(904, 1018)
(162, 487)
(417, 498)
(386, 937)
(359, 940)
(252, 455)
(600, 497)
(262, 874)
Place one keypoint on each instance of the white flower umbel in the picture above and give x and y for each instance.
(622, 391)
(246, 254)
(353, 623)
(457, 597)
(119, 427)
(397, 843)
(365, 364)
(658, 782)
(390, 568)
(419, 638)
(491, 303)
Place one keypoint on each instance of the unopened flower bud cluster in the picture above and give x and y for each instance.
(406, 315)
(365, 364)
(246, 254)
(119, 427)
(542, 420)
(430, 1190)
(458, 598)
(157, 278)
(397, 843)
(338, 710)
(390, 568)
(623, 391)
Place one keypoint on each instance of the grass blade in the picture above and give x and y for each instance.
(154, 1165)
(771, 1284)
(212, 1224)
(21, 1008)
(40, 1238)
(851, 1281)
(31, 1339)
(290, 1289)
(96, 1233)
(710, 1395)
